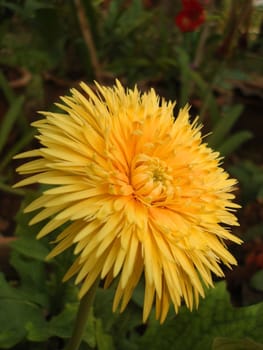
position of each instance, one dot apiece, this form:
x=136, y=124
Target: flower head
x=191, y=16
x=139, y=191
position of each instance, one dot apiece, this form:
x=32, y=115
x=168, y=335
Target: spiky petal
x=140, y=192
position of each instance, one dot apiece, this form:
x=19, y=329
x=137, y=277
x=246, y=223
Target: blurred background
x=208, y=53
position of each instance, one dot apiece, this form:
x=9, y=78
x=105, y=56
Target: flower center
x=151, y=180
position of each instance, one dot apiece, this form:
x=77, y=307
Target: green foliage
x=126, y=50
x=222, y=119
x=61, y=326
x=233, y=142
x=104, y=340
x=16, y=312
x=31, y=248
x=31, y=277
x=250, y=178
x=9, y=120
x=12, y=118
x=221, y=139
x=256, y=281
x=235, y=344
x=254, y=232
x=39, y=45
x=122, y=328
x=214, y=318
x=22, y=316
x=27, y=8
x=183, y=63
x=223, y=126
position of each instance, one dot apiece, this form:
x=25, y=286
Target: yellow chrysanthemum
x=140, y=192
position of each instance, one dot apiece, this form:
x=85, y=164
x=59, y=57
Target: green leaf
x=250, y=178
x=235, y=344
x=61, y=326
x=6, y=291
x=89, y=335
x=16, y=148
x=113, y=14
x=5, y=87
x=234, y=142
x=122, y=327
x=9, y=120
x=32, y=278
x=205, y=92
x=196, y=330
x=103, y=307
x=123, y=22
x=224, y=125
x=22, y=219
x=31, y=248
x=31, y=6
x=15, y=314
x=257, y=281
x=104, y=340
x=260, y=193
x=183, y=61
x=254, y=232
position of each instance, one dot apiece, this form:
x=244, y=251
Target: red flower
x=191, y=16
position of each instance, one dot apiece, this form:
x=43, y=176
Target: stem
x=87, y=36
x=9, y=189
x=81, y=318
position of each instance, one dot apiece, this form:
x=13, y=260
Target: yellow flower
x=140, y=192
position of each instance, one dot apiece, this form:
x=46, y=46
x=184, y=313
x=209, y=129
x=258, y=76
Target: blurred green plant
x=222, y=119
x=26, y=8
x=215, y=317
x=221, y=343
x=250, y=178
x=257, y=281
x=14, y=116
x=221, y=139
x=122, y=44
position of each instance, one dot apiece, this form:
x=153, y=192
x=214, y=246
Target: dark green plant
x=13, y=117
x=250, y=178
